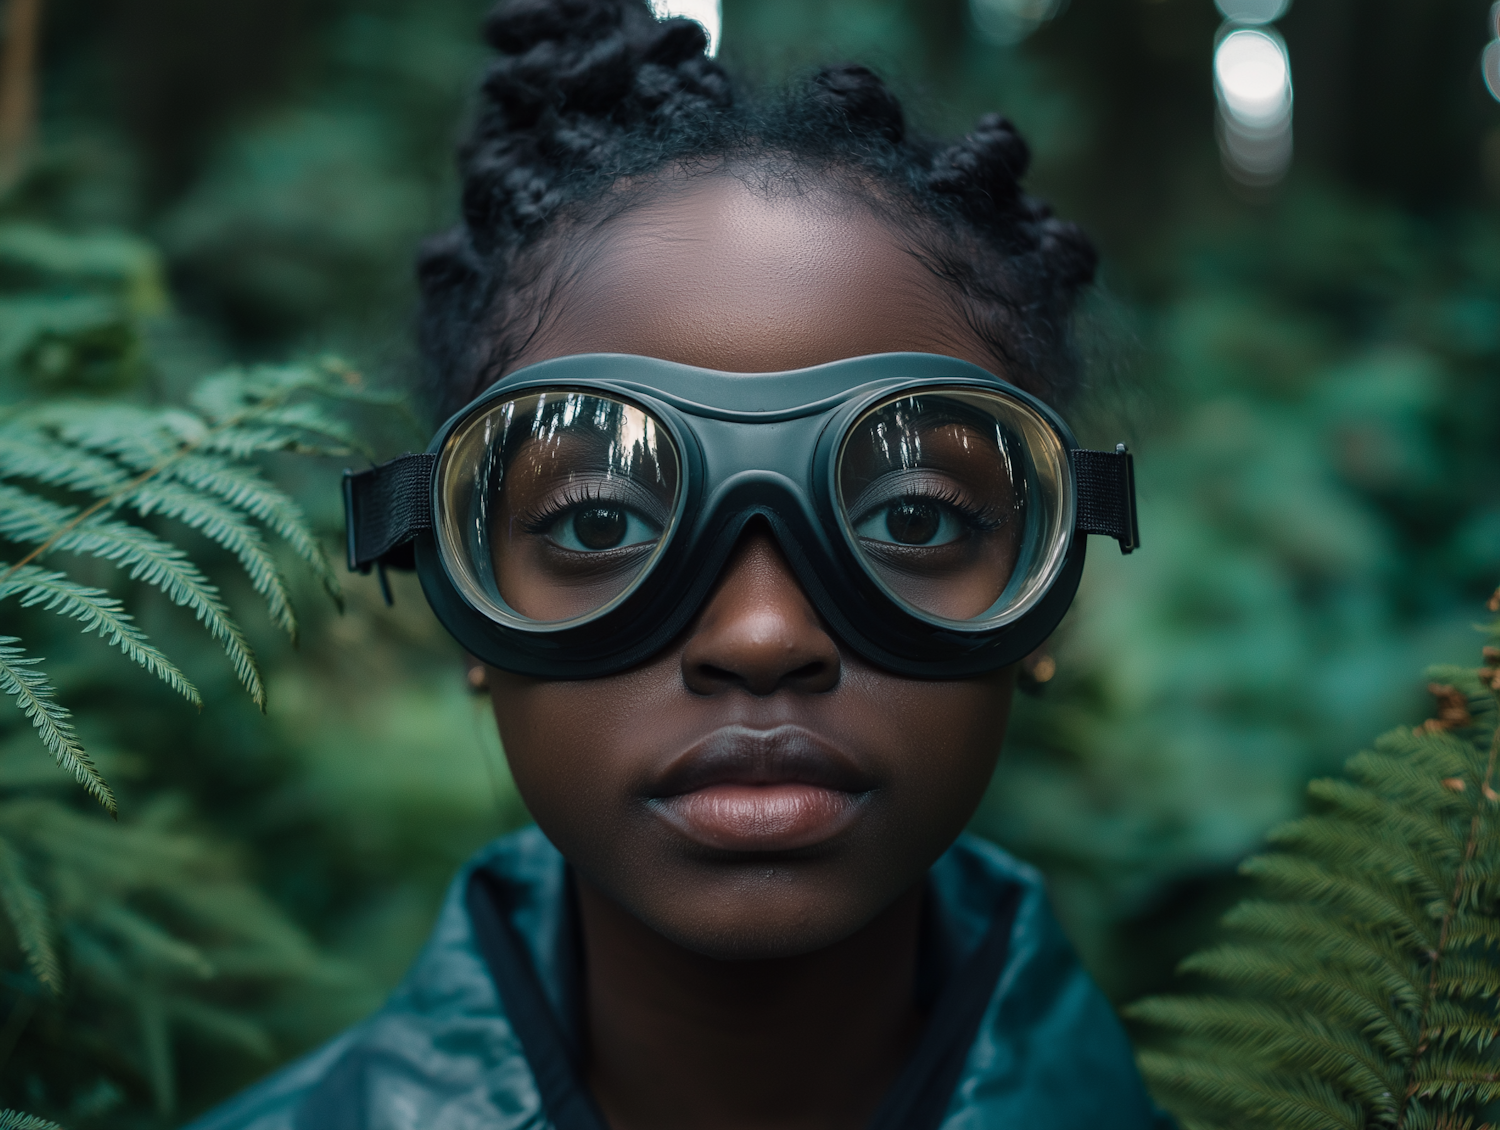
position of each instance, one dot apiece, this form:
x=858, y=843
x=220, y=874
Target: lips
x=746, y=790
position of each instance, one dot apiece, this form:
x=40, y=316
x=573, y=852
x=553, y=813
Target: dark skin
x=740, y=985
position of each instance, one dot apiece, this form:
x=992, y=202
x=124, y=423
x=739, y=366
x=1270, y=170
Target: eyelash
x=976, y=519
x=542, y=519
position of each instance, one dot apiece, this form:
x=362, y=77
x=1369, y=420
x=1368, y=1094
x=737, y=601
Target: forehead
x=713, y=273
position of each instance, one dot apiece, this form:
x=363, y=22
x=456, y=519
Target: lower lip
x=781, y=817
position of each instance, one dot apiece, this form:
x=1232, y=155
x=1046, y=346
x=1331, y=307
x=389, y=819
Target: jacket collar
x=443, y=1055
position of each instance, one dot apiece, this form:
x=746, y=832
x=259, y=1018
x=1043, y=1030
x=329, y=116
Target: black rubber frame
x=733, y=476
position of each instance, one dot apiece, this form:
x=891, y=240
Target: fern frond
x=1337, y=993
x=1319, y=934
x=229, y=394
x=1279, y=1035
x=1235, y=1096
x=1366, y=977
x=151, y=945
x=139, y=437
x=246, y=440
x=27, y=912
x=1453, y=1076
x=15, y=1120
x=98, y=612
x=224, y=526
x=223, y=1025
x=28, y=454
x=25, y=517
x=1365, y=897
x=307, y=420
x=246, y=489
x=34, y=695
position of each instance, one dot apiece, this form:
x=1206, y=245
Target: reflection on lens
x=946, y=502
x=557, y=502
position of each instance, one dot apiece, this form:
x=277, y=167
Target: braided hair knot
x=983, y=172
x=586, y=93
x=574, y=79
x=857, y=98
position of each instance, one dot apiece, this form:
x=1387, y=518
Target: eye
x=911, y=521
x=592, y=529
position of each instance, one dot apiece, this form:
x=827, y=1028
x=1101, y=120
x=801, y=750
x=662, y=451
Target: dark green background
x=1310, y=376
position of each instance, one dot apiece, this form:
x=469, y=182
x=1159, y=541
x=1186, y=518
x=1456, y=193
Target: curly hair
x=590, y=96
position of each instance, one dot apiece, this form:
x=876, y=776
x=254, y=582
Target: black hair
x=589, y=95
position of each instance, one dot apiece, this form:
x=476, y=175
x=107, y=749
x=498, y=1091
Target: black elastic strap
x=385, y=508
x=1106, y=495
x=566, y=1100
x=919, y=1098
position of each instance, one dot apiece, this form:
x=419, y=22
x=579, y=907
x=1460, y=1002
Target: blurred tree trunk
x=18, y=88
x=1390, y=97
x=185, y=69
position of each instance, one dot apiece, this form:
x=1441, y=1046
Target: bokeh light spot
x=1491, y=62
x=1253, y=80
x=1009, y=21
x=709, y=13
x=1253, y=77
x=1252, y=11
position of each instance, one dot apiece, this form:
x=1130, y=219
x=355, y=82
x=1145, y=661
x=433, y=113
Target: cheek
x=941, y=741
x=574, y=750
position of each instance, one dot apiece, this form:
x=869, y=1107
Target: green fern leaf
x=29, y=454
x=229, y=395
x=1363, y=987
x=222, y=1025
x=1236, y=1096
x=246, y=489
x=27, y=911
x=24, y=517
x=99, y=612
x=223, y=525
x=15, y=1120
x=1318, y=935
x=146, y=941
x=138, y=435
x=307, y=418
x=33, y=693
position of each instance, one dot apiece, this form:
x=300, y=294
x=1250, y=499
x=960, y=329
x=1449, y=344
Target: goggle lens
x=557, y=503
x=953, y=500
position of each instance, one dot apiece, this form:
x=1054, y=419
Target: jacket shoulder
x=1049, y=1050
x=441, y=1052
x=273, y=1102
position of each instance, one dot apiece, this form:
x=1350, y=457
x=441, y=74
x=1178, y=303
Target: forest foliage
x=132, y=922
x=1357, y=987
x=1309, y=377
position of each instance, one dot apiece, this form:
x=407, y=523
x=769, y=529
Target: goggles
x=571, y=521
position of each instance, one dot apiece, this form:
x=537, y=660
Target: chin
x=760, y=916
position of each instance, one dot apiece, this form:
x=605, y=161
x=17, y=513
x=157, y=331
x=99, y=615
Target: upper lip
x=740, y=755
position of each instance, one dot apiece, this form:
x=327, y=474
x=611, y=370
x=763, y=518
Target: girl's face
x=756, y=789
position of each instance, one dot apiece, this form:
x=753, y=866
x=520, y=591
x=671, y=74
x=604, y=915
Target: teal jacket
x=1039, y=1047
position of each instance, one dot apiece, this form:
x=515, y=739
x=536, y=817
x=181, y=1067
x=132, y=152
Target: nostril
x=808, y=672
x=758, y=632
x=717, y=676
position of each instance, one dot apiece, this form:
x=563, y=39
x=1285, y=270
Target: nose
x=758, y=632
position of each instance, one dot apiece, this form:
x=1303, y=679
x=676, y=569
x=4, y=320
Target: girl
x=748, y=536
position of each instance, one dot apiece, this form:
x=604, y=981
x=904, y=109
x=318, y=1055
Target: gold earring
x=477, y=677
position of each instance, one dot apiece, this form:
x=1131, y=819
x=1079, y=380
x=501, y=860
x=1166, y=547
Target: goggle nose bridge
x=789, y=514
